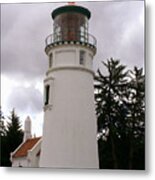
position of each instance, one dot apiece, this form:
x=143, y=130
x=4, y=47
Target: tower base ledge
x=70, y=68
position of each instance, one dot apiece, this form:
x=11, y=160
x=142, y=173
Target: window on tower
x=71, y=26
x=50, y=60
x=47, y=90
x=82, y=57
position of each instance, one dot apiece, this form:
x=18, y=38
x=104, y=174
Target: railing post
x=52, y=38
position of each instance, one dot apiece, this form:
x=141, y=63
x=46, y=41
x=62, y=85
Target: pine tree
x=14, y=137
x=136, y=119
x=2, y=126
x=2, y=138
x=120, y=109
x=109, y=91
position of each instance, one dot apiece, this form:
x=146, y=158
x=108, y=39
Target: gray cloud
x=26, y=100
x=117, y=27
x=24, y=27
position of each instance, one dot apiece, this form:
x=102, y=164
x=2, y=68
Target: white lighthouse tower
x=69, y=132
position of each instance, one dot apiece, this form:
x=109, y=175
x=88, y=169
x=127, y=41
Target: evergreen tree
x=13, y=138
x=136, y=118
x=2, y=126
x=2, y=138
x=120, y=115
x=108, y=101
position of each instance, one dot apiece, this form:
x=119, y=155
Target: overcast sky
x=117, y=25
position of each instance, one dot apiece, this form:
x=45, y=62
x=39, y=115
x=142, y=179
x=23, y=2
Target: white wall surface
x=32, y=154
x=69, y=134
x=22, y=161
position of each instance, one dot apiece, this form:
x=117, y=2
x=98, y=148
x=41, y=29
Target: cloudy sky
x=117, y=25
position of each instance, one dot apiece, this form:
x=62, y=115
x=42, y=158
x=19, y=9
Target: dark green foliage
x=2, y=136
x=120, y=110
x=2, y=126
x=11, y=139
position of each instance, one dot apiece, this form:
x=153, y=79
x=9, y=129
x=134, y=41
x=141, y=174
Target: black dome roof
x=71, y=8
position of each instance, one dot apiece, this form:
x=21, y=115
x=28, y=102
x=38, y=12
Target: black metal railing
x=70, y=37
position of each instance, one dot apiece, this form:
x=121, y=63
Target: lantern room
x=71, y=26
x=71, y=23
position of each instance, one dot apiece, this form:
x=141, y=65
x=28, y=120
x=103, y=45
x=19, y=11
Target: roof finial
x=71, y=3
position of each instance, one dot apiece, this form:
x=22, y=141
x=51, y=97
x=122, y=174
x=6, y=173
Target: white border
x=40, y=174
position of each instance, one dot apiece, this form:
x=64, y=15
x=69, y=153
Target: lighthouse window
x=82, y=57
x=50, y=60
x=71, y=26
x=47, y=89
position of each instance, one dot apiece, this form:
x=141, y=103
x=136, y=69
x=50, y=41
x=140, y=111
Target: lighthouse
x=69, y=131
